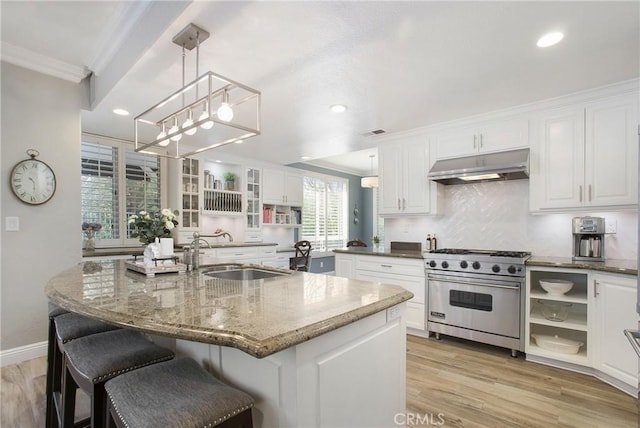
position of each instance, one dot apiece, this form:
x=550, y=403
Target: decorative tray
x=160, y=265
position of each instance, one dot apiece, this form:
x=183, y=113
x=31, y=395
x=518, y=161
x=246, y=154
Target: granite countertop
x=259, y=317
x=629, y=267
x=369, y=251
x=124, y=251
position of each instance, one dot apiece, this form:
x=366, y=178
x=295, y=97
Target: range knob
x=512, y=270
x=495, y=268
x=475, y=265
x=432, y=263
x=445, y=264
x=464, y=264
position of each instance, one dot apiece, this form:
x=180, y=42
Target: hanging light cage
x=208, y=112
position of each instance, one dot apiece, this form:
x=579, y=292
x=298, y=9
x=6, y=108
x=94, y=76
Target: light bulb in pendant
x=205, y=115
x=174, y=131
x=225, y=112
x=188, y=123
x=163, y=136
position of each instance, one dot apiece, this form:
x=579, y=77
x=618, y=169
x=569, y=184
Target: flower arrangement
x=376, y=239
x=91, y=227
x=152, y=224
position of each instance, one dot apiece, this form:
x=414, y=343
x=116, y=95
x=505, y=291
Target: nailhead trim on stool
x=177, y=394
x=92, y=360
x=63, y=327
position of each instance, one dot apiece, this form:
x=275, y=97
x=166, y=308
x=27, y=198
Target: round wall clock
x=32, y=180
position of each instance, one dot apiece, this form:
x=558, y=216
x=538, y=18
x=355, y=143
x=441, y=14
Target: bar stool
x=92, y=360
x=178, y=394
x=63, y=327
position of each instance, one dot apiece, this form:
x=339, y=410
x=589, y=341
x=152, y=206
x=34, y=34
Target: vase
x=166, y=247
x=90, y=243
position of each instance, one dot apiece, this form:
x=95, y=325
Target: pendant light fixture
x=228, y=110
x=371, y=180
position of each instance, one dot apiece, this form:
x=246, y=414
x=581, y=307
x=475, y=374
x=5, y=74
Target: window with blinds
x=111, y=193
x=324, y=212
x=99, y=164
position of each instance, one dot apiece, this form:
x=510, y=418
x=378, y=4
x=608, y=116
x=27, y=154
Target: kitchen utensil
x=554, y=311
x=557, y=344
x=556, y=287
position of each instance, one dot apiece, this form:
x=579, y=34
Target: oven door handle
x=479, y=284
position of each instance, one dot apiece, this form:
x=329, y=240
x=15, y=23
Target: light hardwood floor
x=450, y=383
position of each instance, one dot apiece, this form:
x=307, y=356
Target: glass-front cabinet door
x=190, y=192
x=254, y=210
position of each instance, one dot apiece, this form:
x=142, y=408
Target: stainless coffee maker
x=588, y=239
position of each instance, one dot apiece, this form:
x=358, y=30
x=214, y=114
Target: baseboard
x=23, y=353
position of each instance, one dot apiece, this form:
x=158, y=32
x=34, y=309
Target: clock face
x=33, y=181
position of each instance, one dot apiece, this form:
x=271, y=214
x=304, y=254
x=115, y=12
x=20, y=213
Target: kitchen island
x=313, y=350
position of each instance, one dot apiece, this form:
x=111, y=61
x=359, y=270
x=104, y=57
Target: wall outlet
x=610, y=226
x=393, y=313
x=321, y=264
x=12, y=224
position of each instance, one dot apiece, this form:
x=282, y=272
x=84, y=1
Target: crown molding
x=115, y=35
x=42, y=63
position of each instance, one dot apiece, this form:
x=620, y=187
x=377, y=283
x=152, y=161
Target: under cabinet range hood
x=509, y=165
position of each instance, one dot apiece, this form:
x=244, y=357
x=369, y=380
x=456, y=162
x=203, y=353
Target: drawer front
x=239, y=254
x=414, y=284
x=393, y=265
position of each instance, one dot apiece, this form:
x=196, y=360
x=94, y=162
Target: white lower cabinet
x=614, y=310
x=265, y=255
x=602, y=306
x=405, y=272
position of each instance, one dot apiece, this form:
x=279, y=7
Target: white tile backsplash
x=496, y=216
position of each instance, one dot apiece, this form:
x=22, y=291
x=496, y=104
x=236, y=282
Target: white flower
x=142, y=213
x=133, y=217
x=132, y=220
x=167, y=212
x=169, y=225
x=147, y=217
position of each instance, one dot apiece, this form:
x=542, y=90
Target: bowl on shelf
x=557, y=344
x=556, y=287
x=554, y=311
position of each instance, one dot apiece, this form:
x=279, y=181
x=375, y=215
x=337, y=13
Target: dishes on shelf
x=557, y=344
x=556, y=287
x=554, y=311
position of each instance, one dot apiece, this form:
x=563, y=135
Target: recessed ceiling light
x=239, y=141
x=305, y=157
x=338, y=108
x=550, y=39
x=121, y=112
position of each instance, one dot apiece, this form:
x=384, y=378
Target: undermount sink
x=241, y=273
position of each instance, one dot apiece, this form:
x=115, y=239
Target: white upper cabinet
x=282, y=188
x=492, y=136
x=586, y=156
x=402, y=168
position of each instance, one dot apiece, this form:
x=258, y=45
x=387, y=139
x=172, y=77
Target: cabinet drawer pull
x=404, y=204
x=589, y=192
x=475, y=137
x=480, y=140
x=386, y=266
x=595, y=288
x=398, y=204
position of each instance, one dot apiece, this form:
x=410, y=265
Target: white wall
x=495, y=216
x=41, y=113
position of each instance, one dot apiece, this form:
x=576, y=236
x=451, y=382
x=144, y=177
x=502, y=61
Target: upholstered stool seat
x=178, y=394
x=63, y=327
x=92, y=360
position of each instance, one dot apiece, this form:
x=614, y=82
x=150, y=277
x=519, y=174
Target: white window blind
x=324, y=212
x=100, y=188
x=111, y=193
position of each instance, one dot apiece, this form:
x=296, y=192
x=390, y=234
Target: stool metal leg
x=51, y=420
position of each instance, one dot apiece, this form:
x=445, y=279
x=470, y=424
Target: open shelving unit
x=575, y=327
x=281, y=215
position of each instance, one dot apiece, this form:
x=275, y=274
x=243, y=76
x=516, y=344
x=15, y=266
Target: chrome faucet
x=216, y=235
x=195, y=245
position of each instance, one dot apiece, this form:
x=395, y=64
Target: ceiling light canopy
x=120, y=112
x=338, y=108
x=550, y=39
x=228, y=110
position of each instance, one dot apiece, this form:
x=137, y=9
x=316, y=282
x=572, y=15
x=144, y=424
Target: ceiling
x=396, y=65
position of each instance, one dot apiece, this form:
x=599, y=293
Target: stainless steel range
x=477, y=295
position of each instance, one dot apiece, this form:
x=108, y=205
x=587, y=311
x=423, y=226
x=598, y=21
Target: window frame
x=345, y=209
x=123, y=146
